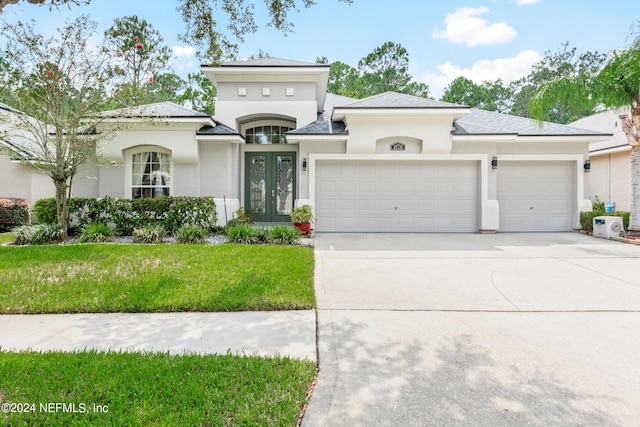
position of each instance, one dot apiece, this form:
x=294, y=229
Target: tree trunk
x=631, y=129
x=634, y=219
x=62, y=207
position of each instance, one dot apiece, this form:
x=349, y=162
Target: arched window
x=150, y=174
x=270, y=134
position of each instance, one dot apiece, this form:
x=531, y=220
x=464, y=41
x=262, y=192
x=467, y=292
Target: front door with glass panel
x=270, y=185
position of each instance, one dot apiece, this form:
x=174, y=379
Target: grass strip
x=151, y=389
x=102, y=278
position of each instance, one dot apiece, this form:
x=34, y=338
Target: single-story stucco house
x=387, y=163
x=610, y=177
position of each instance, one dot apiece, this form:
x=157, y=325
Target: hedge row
x=13, y=213
x=127, y=214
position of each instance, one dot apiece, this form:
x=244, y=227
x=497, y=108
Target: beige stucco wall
x=366, y=130
x=24, y=182
x=179, y=138
x=232, y=107
x=610, y=179
x=304, y=152
x=219, y=169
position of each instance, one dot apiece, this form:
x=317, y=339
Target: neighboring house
x=17, y=179
x=387, y=163
x=610, y=177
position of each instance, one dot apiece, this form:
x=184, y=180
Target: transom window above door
x=269, y=134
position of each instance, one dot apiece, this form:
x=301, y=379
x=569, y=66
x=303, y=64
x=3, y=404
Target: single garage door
x=536, y=196
x=396, y=196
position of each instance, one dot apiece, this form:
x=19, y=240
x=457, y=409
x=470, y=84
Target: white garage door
x=396, y=196
x=536, y=196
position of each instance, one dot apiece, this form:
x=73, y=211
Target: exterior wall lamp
x=494, y=162
x=587, y=166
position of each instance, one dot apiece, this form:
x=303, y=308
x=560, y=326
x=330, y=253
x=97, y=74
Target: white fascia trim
x=237, y=139
x=202, y=121
x=612, y=150
x=483, y=159
x=484, y=138
x=557, y=138
x=305, y=138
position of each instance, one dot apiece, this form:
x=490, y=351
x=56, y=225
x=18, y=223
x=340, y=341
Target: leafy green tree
x=200, y=94
x=616, y=85
x=385, y=69
x=59, y=88
x=139, y=57
x=490, y=96
x=564, y=63
x=345, y=80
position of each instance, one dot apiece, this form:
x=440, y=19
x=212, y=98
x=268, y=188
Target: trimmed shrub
x=283, y=234
x=13, y=212
x=128, y=214
x=150, y=233
x=190, y=234
x=242, y=233
x=45, y=211
x=38, y=234
x=95, y=232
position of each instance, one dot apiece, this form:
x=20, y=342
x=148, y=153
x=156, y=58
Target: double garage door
x=420, y=196
x=396, y=196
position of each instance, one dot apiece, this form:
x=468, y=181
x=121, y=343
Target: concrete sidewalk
x=286, y=333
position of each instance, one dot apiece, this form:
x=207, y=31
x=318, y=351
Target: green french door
x=270, y=185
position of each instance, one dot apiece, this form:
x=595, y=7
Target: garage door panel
x=407, y=196
x=536, y=196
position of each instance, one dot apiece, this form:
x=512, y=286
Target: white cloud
x=507, y=69
x=184, y=51
x=525, y=2
x=464, y=27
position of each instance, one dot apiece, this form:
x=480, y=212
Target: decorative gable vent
x=398, y=146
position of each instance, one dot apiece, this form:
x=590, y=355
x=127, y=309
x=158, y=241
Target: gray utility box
x=607, y=226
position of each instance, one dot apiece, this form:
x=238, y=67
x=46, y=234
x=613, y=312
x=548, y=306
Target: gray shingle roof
x=480, y=122
x=271, y=62
x=332, y=101
x=321, y=127
x=399, y=100
x=160, y=109
x=218, y=129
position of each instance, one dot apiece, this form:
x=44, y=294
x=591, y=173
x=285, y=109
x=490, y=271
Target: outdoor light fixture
x=304, y=164
x=494, y=163
x=587, y=166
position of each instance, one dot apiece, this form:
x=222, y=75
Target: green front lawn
x=154, y=278
x=133, y=389
x=6, y=238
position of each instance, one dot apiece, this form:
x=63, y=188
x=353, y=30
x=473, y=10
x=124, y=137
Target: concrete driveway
x=477, y=330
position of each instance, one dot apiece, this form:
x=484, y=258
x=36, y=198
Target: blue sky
x=482, y=40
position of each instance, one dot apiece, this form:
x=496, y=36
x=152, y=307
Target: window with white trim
x=267, y=134
x=150, y=174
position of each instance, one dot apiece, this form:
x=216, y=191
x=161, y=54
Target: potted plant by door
x=301, y=218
